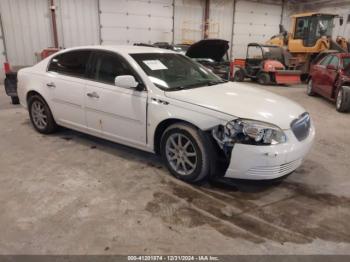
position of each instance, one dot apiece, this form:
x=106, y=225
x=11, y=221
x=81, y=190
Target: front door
x=330, y=77
x=116, y=112
x=319, y=71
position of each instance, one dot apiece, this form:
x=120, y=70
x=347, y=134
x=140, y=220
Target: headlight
x=252, y=132
x=255, y=132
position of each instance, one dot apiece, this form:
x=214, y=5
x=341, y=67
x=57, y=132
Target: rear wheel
x=239, y=75
x=343, y=100
x=309, y=88
x=40, y=115
x=263, y=78
x=186, y=152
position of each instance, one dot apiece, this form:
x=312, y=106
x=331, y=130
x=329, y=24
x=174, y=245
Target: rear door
x=66, y=78
x=116, y=112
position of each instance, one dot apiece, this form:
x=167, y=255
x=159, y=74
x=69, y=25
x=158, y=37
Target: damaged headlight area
x=245, y=131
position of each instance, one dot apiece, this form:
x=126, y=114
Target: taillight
x=7, y=68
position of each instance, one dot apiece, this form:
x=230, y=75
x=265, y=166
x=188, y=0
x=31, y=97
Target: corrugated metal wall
x=27, y=26
x=27, y=29
x=77, y=22
x=27, y=23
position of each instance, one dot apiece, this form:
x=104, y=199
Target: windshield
x=174, y=71
x=324, y=26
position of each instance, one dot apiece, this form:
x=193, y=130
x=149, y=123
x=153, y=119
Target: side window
x=108, y=67
x=301, y=27
x=71, y=63
x=326, y=60
x=335, y=61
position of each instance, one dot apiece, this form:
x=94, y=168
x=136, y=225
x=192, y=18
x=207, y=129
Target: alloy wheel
x=181, y=154
x=39, y=115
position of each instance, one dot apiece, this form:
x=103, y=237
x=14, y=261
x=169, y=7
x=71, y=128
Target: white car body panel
x=131, y=117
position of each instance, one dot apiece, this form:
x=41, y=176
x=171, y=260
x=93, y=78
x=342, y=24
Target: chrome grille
x=301, y=126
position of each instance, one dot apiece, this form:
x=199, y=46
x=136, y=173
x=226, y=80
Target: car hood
x=243, y=101
x=208, y=48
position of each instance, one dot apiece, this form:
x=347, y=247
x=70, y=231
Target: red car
x=330, y=78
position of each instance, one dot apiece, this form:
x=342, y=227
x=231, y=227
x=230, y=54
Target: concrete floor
x=70, y=193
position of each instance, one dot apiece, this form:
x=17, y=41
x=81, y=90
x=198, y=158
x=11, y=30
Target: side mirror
x=331, y=67
x=126, y=81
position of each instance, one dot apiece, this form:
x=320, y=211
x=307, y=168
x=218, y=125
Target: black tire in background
x=239, y=75
x=14, y=100
x=51, y=125
x=309, y=88
x=263, y=78
x=343, y=99
x=201, y=145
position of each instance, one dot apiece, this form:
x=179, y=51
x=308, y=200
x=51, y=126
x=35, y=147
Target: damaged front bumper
x=268, y=162
x=265, y=162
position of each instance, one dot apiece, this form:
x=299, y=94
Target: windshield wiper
x=199, y=84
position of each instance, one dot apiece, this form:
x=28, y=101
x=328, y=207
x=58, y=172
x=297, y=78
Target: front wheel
x=40, y=115
x=343, y=100
x=239, y=75
x=263, y=78
x=186, y=152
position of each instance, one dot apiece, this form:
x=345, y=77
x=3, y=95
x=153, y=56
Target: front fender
x=203, y=118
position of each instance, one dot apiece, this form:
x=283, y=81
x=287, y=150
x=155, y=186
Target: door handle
x=93, y=95
x=52, y=84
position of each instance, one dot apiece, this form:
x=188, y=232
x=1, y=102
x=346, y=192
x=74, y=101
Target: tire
x=263, y=78
x=40, y=115
x=239, y=75
x=309, y=88
x=14, y=100
x=342, y=103
x=177, y=158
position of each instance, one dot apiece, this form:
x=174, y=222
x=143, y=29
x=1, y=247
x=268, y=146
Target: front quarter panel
x=161, y=108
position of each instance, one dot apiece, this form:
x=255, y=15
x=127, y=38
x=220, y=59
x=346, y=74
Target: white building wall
x=77, y=22
x=27, y=29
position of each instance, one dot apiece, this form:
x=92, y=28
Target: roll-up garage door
x=254, y=22
x=134, y=21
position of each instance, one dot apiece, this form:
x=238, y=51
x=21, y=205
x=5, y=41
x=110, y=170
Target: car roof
x=122, y=49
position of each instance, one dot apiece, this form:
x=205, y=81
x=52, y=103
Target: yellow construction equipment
x=310, y=38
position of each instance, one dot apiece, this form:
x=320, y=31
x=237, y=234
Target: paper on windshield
x=154, y=64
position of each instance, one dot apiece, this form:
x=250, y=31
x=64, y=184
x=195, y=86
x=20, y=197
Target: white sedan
x=161, y=101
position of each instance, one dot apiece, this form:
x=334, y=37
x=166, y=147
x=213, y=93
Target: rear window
x=72, y=63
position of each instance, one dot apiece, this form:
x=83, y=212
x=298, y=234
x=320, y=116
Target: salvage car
x=330, y=78
x=213, y=54
x=163, y=102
